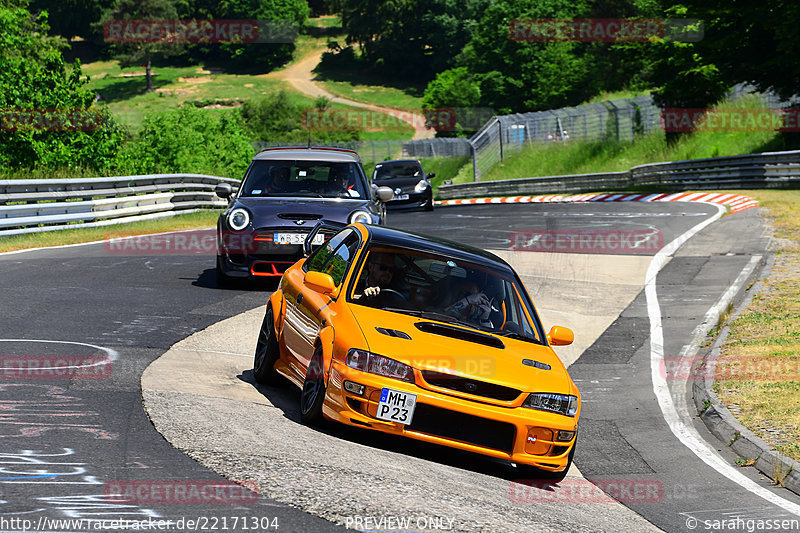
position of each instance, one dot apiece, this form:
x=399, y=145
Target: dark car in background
x=411, y=186
x=283, y=194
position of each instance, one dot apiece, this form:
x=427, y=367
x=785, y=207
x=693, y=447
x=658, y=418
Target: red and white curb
x=736, y=202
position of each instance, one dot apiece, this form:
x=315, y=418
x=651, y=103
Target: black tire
x=313, y=393
x=267, y=352
x=222, y=279
x=429, y=205
x=531, y=472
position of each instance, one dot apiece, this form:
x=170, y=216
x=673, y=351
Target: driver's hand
x=478, y=299
x=371, y=292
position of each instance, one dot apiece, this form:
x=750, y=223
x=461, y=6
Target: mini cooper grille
x=470, y=386
x=463, y=427
x=299, y=216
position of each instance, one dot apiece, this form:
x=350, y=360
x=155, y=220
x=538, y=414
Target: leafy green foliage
x=455, y=87
x=189, y=140
x=275, y=119
x=36, y=86
x=410, y=38
x=261, y=56
x=71, y=18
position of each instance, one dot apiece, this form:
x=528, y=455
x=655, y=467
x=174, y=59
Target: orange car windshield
x=448, y=290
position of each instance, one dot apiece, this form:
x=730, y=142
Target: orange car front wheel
x=313, y=393
x=267, y=352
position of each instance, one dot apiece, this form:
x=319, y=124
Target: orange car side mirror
x=320, y=282
x=560, y=336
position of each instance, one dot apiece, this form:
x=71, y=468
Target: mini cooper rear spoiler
x=326, y=224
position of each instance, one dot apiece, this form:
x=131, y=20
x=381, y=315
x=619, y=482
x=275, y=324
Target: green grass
x=201, y=219
x=175, y=86
x=371, y=90
x=579, y=157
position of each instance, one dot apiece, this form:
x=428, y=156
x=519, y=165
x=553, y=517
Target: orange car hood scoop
x=393, y=333
x=460, y=333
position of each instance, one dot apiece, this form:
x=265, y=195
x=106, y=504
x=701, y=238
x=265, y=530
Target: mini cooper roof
x=327, y=155
x=414, y=241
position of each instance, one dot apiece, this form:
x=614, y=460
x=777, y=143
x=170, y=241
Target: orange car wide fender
x=276, y=302
x=325, y=339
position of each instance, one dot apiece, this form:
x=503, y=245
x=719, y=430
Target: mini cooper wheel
x=267, y=352
x=313, y=393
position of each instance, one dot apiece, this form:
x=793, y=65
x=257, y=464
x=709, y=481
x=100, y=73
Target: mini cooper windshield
x=303, y=178
x=445, y=289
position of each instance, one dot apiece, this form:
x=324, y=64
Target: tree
x=49, y=118
x=137, y=49
x=71, y=18
x=415, y=38
x=262, y=56
x=519, y=75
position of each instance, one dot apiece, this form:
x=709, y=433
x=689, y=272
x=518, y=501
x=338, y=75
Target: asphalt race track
x=69, y=441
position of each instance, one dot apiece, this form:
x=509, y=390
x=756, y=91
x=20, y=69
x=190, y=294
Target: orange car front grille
x=463, y=427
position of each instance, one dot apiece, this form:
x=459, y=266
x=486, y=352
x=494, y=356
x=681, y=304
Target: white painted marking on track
x=113, y=355
x=684, y=432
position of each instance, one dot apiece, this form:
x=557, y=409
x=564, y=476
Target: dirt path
x=299, y=74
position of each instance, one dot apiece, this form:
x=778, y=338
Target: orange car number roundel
x=396, y=406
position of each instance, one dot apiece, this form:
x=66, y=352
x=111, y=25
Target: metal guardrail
x=754, y=171
x=28, y=206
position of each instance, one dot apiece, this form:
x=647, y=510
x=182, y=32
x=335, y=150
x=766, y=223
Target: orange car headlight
x=556, y=403
x=380, y=365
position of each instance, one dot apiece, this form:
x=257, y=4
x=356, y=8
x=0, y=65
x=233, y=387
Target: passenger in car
x=471, y=305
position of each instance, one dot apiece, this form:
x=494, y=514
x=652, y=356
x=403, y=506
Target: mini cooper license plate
x=396, y=406
x=401, y=197
x=296, y=238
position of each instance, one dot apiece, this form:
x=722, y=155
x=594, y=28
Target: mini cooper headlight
x=555, y=403
x=361, y=216
x=378, y=364
x=238, y=219
x=421, y=186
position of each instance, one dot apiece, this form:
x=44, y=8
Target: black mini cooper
x=283, y=194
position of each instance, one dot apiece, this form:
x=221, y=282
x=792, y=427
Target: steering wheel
x=392, y=291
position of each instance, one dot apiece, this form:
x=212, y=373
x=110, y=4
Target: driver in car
x=280, y=180
x=380, y=268
x=339, y=183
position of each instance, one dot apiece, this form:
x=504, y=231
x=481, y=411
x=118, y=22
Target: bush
x=49, y=117
x=189, y=140
x=275, y=119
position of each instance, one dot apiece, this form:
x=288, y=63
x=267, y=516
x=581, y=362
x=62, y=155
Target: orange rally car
x=424, y=338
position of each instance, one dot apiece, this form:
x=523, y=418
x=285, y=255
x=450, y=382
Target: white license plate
x=396, y=406
x=400, y=197
x=296, y=238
